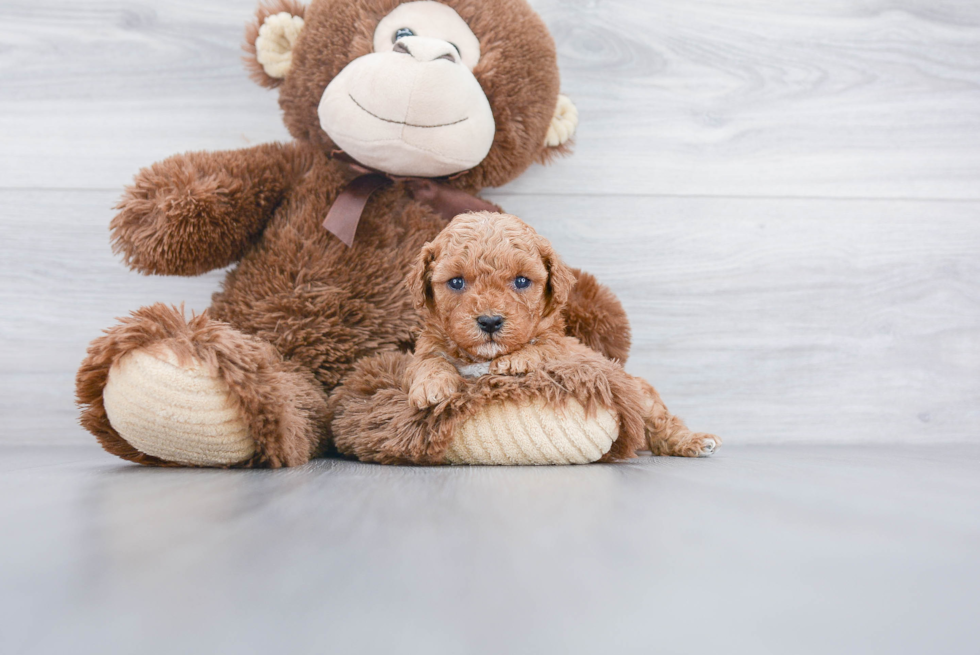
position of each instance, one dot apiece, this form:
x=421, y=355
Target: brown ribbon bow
x=346, y=211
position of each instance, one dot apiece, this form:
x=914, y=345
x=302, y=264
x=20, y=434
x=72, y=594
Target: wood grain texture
x=760, y=319
x=61, y=287
x=785, y=197
x=792, y=320
x=844, y=98
x=758, y=550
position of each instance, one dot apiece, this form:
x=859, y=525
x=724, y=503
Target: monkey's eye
x=401, y=33
x=521, y=282
x=456, y=284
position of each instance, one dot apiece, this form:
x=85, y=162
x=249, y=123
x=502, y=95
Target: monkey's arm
x=195, y=212
x=595, y=317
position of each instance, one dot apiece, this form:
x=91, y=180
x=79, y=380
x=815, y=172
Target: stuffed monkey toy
x=401, y=112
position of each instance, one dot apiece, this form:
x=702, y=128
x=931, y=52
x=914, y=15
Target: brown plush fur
x=375, y=422
x=408, y=409
x=595, y=317
x=518, y=71
x=300, y=301
x=196, y=212
x=282, y=402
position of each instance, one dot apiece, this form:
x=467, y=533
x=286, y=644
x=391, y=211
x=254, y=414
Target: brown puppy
x=492, y=291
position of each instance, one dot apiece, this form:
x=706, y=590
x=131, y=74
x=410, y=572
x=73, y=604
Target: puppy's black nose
x=490, y=324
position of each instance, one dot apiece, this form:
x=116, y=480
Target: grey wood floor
x=786, y=196
x=761, y=549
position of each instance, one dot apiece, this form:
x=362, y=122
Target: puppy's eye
x=401, y=33
x=521, y=282
x=456, y=284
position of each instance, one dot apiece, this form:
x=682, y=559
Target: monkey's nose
x=490, y=324
x=425, y=49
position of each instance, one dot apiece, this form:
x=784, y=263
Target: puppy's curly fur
x=409, y=409
x=495, y=269
x=510, y=278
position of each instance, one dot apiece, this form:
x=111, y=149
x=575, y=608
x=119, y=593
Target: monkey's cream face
x=413, y=106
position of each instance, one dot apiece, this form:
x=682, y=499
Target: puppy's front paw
x=433, y=390
x=516, y=364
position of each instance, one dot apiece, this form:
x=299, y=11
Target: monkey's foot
x=180, y=413
x=162, y=390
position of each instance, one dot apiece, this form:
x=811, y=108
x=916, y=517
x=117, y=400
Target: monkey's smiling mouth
x=406, y=124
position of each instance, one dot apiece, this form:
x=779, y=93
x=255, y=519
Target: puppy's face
x=490, y=285
x=488, y=304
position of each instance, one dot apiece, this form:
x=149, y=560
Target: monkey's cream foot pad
x=513, y=433
x=181, y=413
x=561, y=414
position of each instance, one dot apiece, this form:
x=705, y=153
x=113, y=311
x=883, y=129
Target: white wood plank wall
x=785, y=195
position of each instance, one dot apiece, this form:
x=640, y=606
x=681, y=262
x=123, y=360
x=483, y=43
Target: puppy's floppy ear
x=561, y=280
x=420, y=279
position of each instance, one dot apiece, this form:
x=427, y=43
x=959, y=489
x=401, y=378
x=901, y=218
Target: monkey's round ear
x=270, y=39
x=563, y=123
x=420, y=279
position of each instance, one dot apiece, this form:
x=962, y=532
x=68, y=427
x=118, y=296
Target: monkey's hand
x=196, y=212
x=596, y=318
